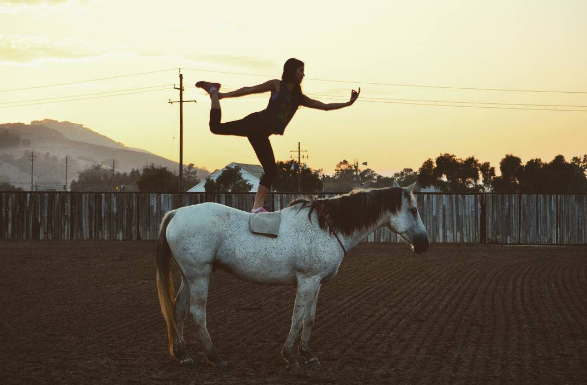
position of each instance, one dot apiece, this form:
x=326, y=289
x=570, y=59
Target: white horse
x=313, y=239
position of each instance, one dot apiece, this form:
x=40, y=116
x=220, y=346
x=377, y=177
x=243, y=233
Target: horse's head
x=406, y=222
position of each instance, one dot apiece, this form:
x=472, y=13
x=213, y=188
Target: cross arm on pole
x=181, y=101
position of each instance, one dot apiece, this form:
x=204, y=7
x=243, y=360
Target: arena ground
x=88, y=313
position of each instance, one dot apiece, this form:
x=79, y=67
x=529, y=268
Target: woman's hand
x=355, y=95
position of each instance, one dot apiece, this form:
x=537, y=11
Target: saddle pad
x=265, y=223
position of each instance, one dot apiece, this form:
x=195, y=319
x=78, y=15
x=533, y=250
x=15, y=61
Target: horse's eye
x=414, y=211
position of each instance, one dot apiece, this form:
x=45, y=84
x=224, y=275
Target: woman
x=286, y=98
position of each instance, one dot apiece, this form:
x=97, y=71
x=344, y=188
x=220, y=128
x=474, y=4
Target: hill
x=52, y=141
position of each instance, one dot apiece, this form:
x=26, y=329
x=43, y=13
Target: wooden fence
x=449, y=218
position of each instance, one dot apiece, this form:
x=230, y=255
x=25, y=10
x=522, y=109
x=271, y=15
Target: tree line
x=152, y=178
x=445, y=173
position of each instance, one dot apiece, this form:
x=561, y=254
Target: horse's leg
x=181, y=308
x=304, y=348
x=307, y=288
x=198, y=299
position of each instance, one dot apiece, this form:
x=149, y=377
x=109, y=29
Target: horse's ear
x=413, y=188
x=395, y=184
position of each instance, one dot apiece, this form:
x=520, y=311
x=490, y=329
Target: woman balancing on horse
x=286, y=98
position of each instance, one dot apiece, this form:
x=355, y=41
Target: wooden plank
x=37, y=217
x=74, y=220
x=489, y=218
x=3, y=212
x=105, y=217
x=59, y=214
x=458, y=219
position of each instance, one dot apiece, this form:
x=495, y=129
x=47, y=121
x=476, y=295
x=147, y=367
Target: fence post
x=483, y=224
x=138, y=217
x=519, y=218
x=557, y=220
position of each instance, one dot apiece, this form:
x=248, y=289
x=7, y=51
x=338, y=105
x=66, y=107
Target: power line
x=452, y=87
x=90, y=94
x=463, y=106
x=399, y=84
x=459, y=102
x=95, y=97
x=86, y=81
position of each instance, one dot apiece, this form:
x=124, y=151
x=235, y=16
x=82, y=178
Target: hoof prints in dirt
x=80, y=312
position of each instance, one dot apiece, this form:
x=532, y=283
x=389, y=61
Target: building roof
x=250, y=172
x=253, y=169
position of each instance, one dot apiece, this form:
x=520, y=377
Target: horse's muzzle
x=421, y=244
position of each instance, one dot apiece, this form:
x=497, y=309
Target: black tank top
x=281, y=108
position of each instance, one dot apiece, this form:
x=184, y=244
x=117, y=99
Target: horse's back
x=210, y=233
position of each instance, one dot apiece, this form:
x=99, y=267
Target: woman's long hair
x=289, y=75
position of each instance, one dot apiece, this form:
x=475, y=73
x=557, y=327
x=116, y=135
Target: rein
x=317, y=207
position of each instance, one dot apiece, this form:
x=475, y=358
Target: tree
x=531, y=176
x=581, y=162
x=451, y=174
x=509, y=181
x=287, y=178
x=405, y=177
x=95, y=179
x=158, y=179
x=230, y=180
x=383, y=181
x=488, y=174
x=562, y=177
x=100, y=179
x=9, y=139
x=537, y=177
x=343, y=179
x=190, y=177
x=426, y=175
x=344, y=173
x=4, y=186
x=367, y=177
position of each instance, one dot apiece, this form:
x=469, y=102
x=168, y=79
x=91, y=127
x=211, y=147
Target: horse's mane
x=356, y=210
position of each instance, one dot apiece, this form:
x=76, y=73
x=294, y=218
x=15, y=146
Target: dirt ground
x=88, y=313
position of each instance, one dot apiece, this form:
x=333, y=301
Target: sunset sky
x=385, y=47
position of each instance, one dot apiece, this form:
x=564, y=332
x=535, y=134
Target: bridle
x=317, y=207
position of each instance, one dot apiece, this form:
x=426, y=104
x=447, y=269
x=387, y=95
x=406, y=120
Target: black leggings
x=255, y=130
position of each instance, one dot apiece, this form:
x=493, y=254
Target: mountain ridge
x=53, y=141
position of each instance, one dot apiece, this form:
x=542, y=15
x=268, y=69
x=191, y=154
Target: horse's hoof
x=220, y=364
x=313, y=362
x=186, y=361
x=293, y=367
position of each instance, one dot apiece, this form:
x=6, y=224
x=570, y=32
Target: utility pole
x=66, y=165
x=181, y=102
x=66, y=159
x=300, y=157
x=32, y=156
x=113, y=163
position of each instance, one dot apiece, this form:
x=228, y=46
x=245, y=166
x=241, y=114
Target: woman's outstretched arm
x=270, y=85
x=311, y=103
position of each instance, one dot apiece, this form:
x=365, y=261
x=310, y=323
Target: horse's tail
x=165, y=280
